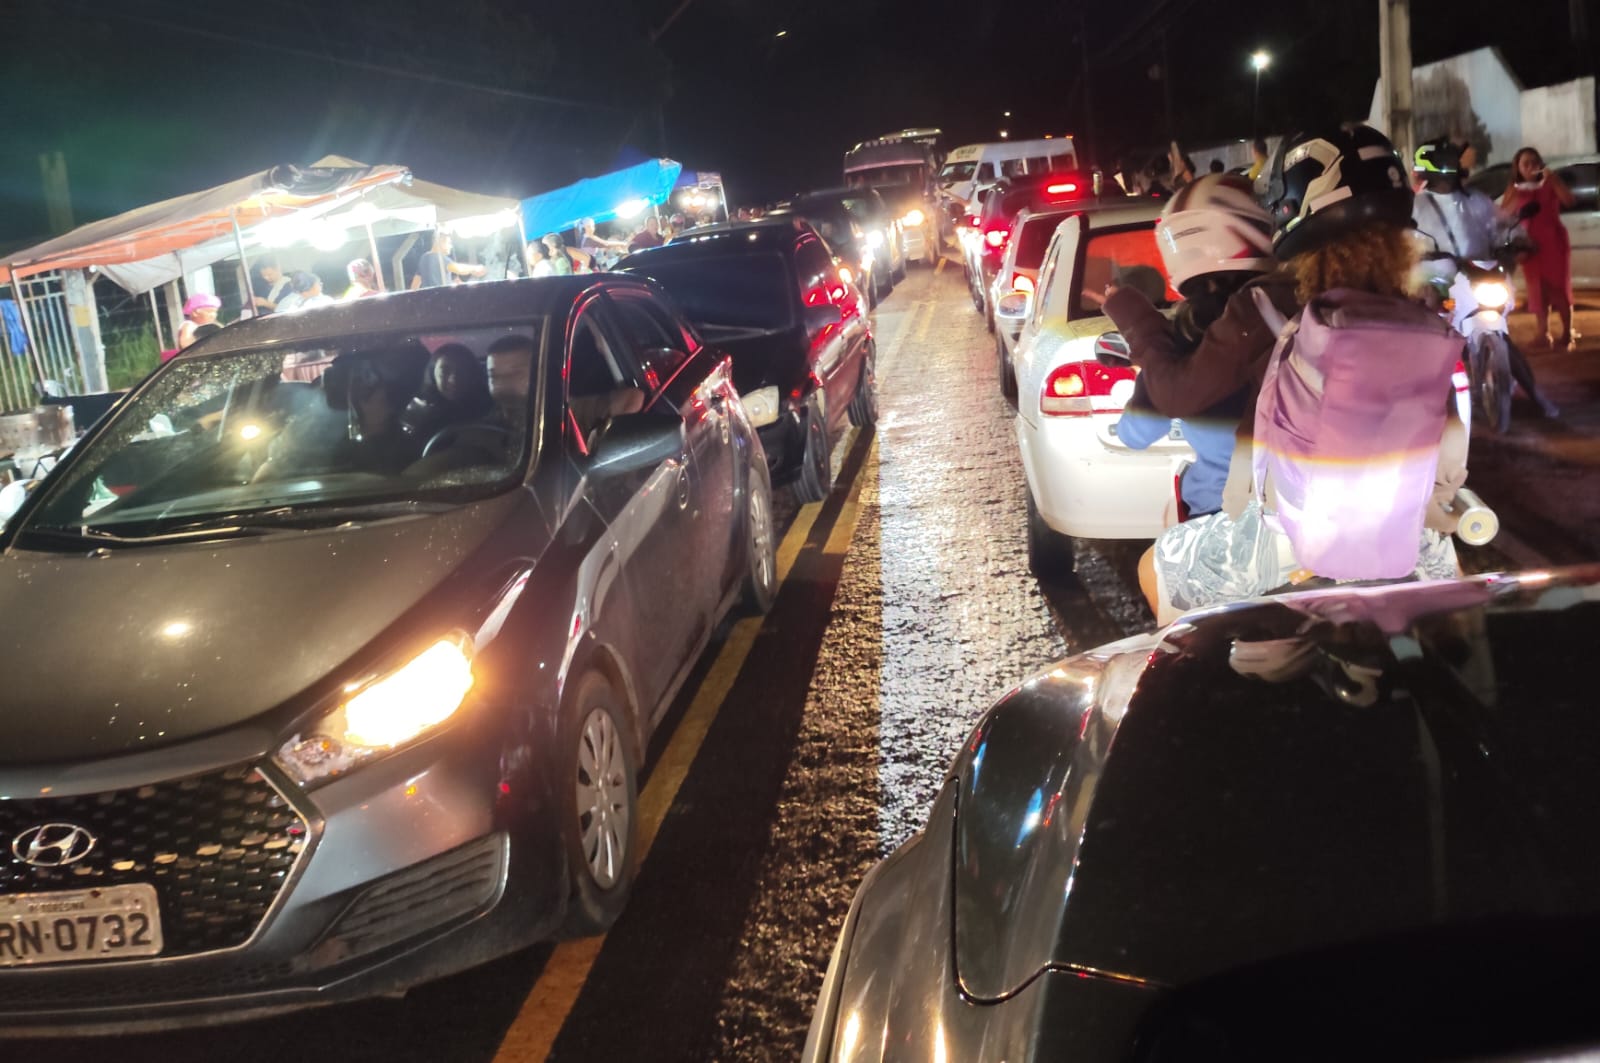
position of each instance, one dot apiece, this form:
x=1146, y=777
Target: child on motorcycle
x=1356, y=450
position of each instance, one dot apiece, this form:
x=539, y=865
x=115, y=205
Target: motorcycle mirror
x=1111, y=348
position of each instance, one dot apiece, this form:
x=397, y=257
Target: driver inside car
x=370, y=388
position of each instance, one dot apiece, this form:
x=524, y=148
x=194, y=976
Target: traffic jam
x=1009, y=598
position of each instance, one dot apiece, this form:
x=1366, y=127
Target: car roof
x=450, y=307
x=767, y=234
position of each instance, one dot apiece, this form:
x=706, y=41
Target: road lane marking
x=544, y=1012
x=940, y=267
x=844, y=526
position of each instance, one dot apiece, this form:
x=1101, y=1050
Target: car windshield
x=1126, y=257
x=957, y=171
x=304, y=433
x=725, y=291
x=909, y=174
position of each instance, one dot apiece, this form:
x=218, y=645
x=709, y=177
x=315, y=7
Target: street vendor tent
x=151, y=245
x=621, y=194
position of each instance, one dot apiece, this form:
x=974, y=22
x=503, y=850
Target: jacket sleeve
x=1183, y=385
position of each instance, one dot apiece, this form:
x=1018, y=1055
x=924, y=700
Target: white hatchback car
x=1083, y=482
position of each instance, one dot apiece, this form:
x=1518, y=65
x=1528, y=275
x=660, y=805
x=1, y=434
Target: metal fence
x=50, y=352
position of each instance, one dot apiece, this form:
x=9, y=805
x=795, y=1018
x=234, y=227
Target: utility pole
x=1394, y=66
x=57, y=196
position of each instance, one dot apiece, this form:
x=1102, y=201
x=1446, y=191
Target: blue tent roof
x=598, y=197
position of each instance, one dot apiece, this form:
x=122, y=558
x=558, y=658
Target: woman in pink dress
x=1547, y=270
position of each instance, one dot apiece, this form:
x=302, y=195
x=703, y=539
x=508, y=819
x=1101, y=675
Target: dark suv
x=770, y=295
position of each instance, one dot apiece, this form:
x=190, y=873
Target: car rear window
x=1035, y=239
x=1127, y=257
x=732, y=291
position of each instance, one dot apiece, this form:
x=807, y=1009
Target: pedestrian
x=198, y=310
x=438, y=269
x=363, y=279
x=1547, y=267
x=1344, y=482
x=273, y=285
x=598, y=248
x=1181, y=167
x=539, y=264
x=563, y=262
x=307, y=294
x=649, y=236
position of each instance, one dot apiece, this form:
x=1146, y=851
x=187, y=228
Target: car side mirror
x=1111, y=348
x=1014, y=305
x=817, y=318
x=633, y=441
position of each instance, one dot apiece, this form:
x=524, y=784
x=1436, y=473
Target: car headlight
x=916, y=217
x=875, y=239
x=383, y=712
x=761, y=406
x=1491, y=294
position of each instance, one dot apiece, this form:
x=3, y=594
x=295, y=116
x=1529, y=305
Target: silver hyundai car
x=331, y=655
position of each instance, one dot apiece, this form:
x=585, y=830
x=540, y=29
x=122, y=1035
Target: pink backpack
x=1347, y=431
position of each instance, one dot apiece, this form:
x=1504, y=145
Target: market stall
x=624, y=194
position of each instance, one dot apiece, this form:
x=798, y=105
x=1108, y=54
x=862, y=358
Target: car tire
x=1049, y=552
x=972, y=289
x=864, y=405
x=599, y=797
x=816, y=461
x=1008, y=378
x=760, y=587
x=899, y=274
x=988, y=314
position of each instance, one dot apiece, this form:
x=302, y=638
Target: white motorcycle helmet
x=1214, y=225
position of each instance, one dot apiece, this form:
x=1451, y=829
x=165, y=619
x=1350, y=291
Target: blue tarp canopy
x=635, y=188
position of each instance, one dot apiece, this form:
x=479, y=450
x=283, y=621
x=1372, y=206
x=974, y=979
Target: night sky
x=155, y=98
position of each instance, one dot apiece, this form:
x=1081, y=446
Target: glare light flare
x=1259, y=61
x=1491, y=294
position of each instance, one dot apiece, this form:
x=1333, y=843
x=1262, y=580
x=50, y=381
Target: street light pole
x=1259, y=61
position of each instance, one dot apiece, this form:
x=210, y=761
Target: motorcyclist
x=1214, y=239
x=1462, y=222
x=1341, y=210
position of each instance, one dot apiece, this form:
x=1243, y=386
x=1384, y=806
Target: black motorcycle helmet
x=1437, y=158
x=1326, y=183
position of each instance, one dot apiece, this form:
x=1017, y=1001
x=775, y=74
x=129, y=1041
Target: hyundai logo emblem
x=53, y=844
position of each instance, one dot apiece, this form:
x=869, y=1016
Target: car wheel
x=760, y=544
x=988, y=315
x=600, y=790
x=972, y=289
x=864, y=406
x=1008, y=379
x=816, y=463
x=899, y=272
x=1049, y=552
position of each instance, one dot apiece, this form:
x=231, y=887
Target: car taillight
x=1062, y=189
x=1078, y=388
x=996, y=238
x=974, y=222
x=1021, y=282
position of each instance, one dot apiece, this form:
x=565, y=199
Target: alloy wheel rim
x=603, y=812
x=761, y=540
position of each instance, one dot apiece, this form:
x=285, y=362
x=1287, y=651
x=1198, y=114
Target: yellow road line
x=844, y=528
x=533, y=1032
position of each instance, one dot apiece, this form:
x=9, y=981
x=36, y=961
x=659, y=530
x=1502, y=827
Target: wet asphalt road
x=906, y=610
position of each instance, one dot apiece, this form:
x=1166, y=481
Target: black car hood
x=151, y=646
x=764, y=359
x=1284, y=778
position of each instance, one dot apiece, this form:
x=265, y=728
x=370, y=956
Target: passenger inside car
x=596, y=388
x=455, y=390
